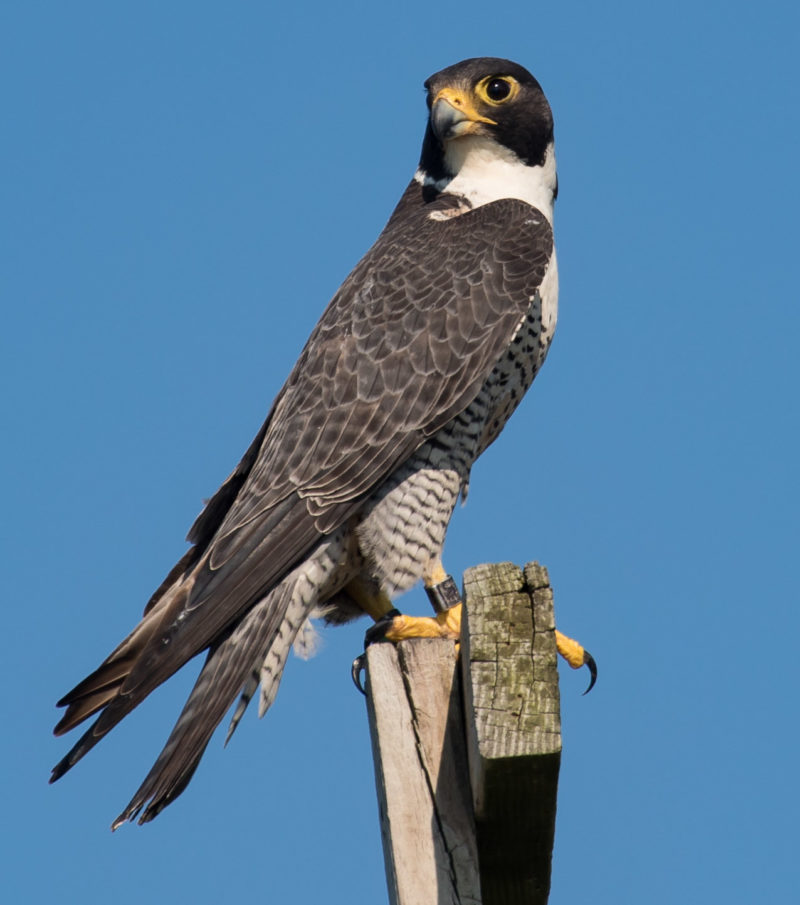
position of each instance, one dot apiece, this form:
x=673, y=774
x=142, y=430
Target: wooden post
x=466, y=760
x=417, y=728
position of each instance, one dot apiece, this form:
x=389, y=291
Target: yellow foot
x=445, y=625
x=576, y=655
x=394, y=626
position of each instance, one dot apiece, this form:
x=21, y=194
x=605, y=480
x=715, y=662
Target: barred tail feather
x=268, y=626
x=268, y=669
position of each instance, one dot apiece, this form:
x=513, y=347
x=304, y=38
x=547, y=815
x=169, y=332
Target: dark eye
x=498, y=89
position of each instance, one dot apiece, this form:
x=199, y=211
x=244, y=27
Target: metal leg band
x=443, y=596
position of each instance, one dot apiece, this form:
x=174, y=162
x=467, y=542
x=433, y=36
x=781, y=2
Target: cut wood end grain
x=467, y=758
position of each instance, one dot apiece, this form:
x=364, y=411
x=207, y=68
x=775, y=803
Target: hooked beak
x=454, y=115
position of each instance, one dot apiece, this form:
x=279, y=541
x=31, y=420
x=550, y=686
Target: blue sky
x=185, y=186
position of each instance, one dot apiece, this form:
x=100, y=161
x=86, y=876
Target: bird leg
x=372, y=599
x=446, y=601
x=392, y=625
x=576, y=656
x=402, y=627
x=440, y=587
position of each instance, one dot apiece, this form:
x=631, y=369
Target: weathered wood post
x=467, y=749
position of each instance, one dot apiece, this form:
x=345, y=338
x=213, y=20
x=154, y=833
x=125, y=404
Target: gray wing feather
x=445, y=299
x=403, y=347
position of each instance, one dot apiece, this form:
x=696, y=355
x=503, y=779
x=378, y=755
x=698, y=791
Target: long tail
x=100, y=691
x=265, y=634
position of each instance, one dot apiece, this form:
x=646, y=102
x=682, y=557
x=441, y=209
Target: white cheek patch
x=486, y=171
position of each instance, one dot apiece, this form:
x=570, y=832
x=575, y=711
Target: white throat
x=486, y=171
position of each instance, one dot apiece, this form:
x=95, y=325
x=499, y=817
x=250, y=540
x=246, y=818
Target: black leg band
x=443, y=596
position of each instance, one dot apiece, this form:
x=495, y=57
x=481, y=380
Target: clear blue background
x=184, y=185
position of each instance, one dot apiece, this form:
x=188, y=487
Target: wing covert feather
x=433, y=302
x=443, y=299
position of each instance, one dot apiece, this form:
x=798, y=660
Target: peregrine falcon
x=343, y=499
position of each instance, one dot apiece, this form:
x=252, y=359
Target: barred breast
x=405, y=522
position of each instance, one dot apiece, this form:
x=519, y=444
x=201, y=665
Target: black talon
x=377, y=633
x=588, y=660
x=359, y=665
x=373, y=635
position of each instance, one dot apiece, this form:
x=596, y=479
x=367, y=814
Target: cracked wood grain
x=417, y=730
x=513, y=727
x=466, y=759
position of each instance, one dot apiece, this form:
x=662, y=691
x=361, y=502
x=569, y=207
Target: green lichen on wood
x=513, y=725
x=511, y=655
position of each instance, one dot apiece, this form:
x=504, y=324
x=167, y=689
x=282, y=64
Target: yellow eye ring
x=497, y=89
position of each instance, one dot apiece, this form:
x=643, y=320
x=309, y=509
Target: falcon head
x=486, y=115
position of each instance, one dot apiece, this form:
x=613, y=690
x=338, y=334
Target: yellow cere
x=462, y=102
